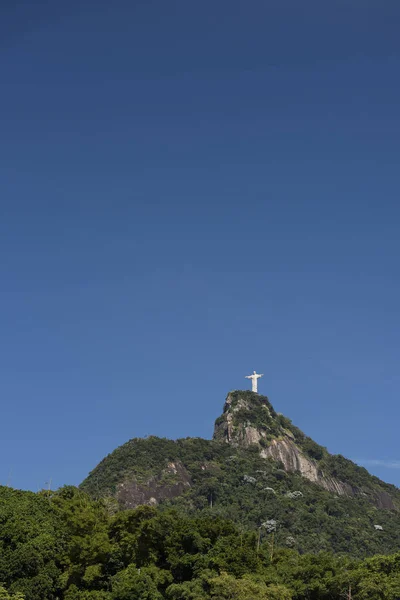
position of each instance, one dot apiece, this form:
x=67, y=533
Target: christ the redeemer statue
x=254, y=378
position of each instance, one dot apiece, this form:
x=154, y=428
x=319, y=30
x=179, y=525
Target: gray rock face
x=250, y=420
x=284, y=450
x=171, y=482
x=225, y=429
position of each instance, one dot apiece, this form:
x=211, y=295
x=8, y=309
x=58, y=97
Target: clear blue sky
x=190, y=191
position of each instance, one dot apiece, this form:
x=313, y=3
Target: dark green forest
x=66, y=545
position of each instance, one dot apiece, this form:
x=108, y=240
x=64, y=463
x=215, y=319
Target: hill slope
x=262, y=472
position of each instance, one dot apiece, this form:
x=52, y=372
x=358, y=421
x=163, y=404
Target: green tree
x=227, y=587
x=4, y=595
x=146, y=583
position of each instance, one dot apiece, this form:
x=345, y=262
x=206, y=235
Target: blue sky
x=190, y=191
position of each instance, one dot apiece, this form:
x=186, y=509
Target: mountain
x=235, y=517
x=250, y=420
x=262, y=472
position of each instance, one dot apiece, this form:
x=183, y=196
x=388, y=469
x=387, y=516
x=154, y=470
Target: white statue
x=254, y=378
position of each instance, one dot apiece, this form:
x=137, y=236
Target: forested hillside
x=251, y=473
x=65, y=545
x=261, y=512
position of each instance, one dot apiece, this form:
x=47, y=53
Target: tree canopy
x=65, y=545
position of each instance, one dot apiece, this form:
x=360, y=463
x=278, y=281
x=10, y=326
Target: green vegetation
x=63, y=545
x=232, y=481
x=237, y=484
x=228, y=525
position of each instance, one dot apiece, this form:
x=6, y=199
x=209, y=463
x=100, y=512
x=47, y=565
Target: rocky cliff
x=249, y=420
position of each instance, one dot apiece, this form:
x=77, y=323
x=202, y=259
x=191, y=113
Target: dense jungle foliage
x=237, y=484
x=65, y=545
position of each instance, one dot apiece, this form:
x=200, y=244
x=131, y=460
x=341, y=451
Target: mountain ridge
x=258, y=468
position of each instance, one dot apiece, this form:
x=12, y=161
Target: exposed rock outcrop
x=249, y=419
x=171, y=482
x=293, y=459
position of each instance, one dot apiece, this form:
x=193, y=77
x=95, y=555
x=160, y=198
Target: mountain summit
x=260, y=471
x=249, y=420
